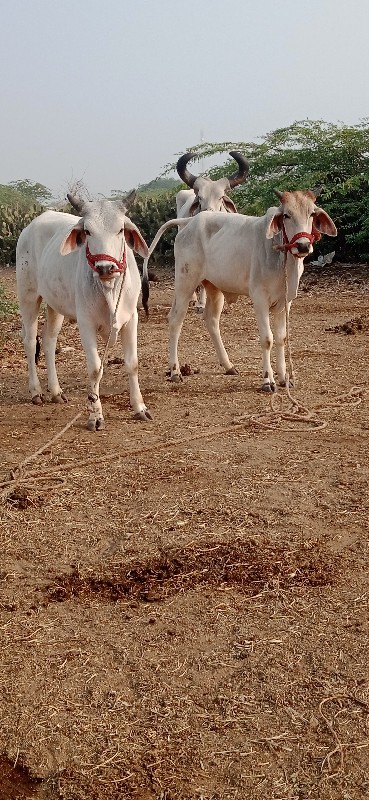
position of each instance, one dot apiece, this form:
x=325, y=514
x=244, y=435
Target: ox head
x=210, y=195
x=106, y=231
x=300, y=221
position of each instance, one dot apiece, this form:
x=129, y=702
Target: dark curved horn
x=75, y=202
x=182, y=170
x=130, y=198
x=241, y=175
x=278, y=193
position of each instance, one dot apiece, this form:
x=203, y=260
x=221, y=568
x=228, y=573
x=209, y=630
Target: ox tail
x=38, y=349
x=180, y=223
x=145, y=291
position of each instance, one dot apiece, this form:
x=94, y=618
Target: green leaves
x=34, y=192
x=20, y=202
x=13, y=218
x=305, y=155
x=149, y=212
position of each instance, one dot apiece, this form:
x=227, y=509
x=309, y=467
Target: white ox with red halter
x=235, y=255
x=206, y=194
x=83, y=268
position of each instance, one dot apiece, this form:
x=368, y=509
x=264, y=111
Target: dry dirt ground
x=184, y=604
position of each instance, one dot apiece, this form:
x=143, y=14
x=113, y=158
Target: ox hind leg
x=176, y=317
x=213, y=309
x=49, y=339
x=29, y=308
x=129, y=343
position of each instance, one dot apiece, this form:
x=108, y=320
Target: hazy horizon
x=109, y=94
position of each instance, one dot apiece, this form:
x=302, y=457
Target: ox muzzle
x=105, y=266
x=301, y=244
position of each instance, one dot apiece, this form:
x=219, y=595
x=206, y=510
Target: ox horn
x=76, y=202
x=182, y=170
x=125, y=202
x=278, y=193
x=241, y=175
x=317, y=191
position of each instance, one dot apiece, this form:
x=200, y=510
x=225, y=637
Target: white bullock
x=206, y=194
x=84, y=269
x=241, y=255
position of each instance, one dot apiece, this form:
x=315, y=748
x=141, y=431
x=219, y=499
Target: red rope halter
x=312, y=237
x=120, y=265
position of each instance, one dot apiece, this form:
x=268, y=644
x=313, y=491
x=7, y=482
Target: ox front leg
x=213, y=309
x=279, y=324
x=129, y=343
x=95, y=420
x=261, y=306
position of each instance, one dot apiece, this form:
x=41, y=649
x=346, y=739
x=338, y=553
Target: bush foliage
x=13, y=218
x=305, y=155
x=149, y=212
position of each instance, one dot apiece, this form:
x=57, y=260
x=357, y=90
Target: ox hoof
x=176, y=378
x=231, y=371
x=283, y=384
x=200, y=309
x=59, y=398
x=95, y=424
x=268, y=387
x=38, y=400
x=143, y=416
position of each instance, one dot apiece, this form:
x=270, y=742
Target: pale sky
x=110, y=91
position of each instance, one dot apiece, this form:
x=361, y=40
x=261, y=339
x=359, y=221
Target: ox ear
x=324, y=223
x=134, y=239
x=194, y=208
x=229, y=205
x=274, y=222
x=75, y=238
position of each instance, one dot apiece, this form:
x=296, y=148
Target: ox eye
x=286, y=216
x=87, y=232
x=121, y=231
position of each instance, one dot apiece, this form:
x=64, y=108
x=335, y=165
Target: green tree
x=13, y=218
x=34, y=192
x=306, y=155
x=156, y=186
x=20, y=202
x=149, y=212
